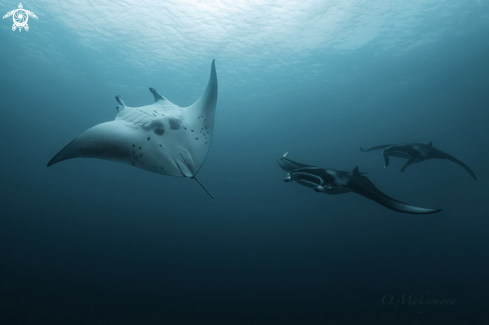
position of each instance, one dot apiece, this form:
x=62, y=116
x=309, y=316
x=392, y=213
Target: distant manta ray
x=416, y=152
x=161, y=138
x=332, y=181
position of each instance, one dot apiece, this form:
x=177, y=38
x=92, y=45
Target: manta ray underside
x=161, y=138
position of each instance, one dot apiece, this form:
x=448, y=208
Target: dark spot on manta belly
x=196, y=138
x=174, y=123
x=157, y=127
x=139, y=148
x=148, y=138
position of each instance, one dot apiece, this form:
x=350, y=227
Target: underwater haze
x=90, y=241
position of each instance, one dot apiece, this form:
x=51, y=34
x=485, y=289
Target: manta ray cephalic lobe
x=161, y=138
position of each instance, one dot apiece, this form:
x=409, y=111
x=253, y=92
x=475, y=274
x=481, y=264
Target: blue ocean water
x=89, y=241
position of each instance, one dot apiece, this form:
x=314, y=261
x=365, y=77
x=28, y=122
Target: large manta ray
x=416, y=152
x=331, y=181
x=161, y=138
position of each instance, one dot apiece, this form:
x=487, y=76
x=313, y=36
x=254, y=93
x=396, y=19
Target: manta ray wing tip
x=430, y=211
x=418, y=210
x=53, y=161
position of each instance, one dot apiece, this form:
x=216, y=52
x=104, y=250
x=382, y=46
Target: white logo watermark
x=20, y=17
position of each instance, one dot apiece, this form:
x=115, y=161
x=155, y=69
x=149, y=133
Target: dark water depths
x=88, y=241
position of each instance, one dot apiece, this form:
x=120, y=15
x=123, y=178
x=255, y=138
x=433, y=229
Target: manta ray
x=416, y=152
x=332, y=181
x=161, y=137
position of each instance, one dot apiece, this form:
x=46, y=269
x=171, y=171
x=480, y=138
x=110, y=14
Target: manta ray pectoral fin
x=199, y=117
x=403, y=207
x=363, y=186
x=68, y=152
x=109, y=141
x=407, y=164
x=206, y=104
x=458, y=162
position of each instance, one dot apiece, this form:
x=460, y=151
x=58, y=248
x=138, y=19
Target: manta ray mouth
x=306, y=178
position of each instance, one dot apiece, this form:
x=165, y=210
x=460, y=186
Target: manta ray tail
x=195, y=177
